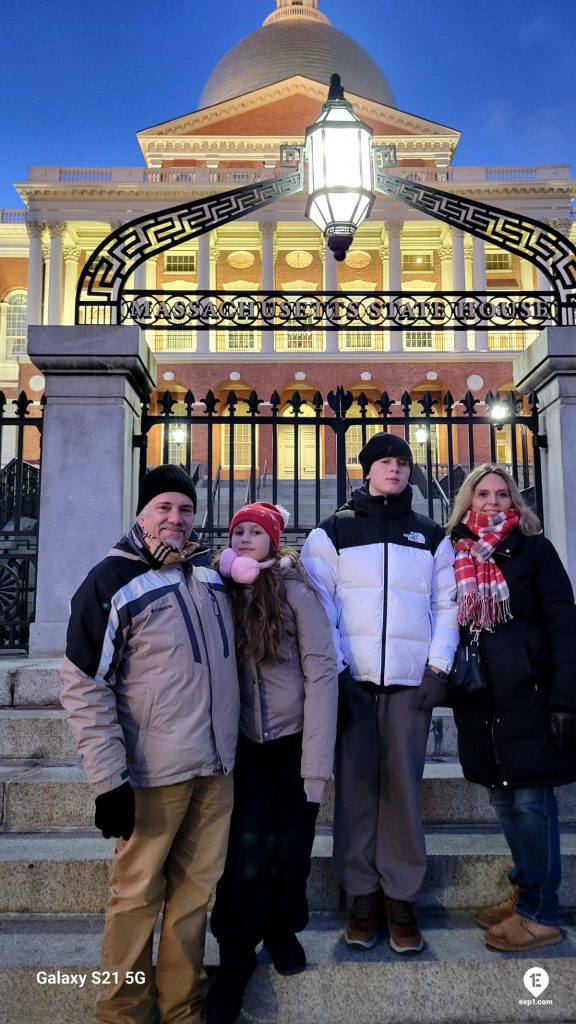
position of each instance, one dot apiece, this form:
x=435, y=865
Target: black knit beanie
x=162, y=479
x=382, y=446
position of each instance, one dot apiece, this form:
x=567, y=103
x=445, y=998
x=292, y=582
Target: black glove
x=432, y=690
x=563, y=729
x=115, y=812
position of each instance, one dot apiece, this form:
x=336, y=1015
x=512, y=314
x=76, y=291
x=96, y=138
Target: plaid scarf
x=482, y=592
x=160, y=552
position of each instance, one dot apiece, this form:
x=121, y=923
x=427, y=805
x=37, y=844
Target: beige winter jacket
x=149, y=680
x=300, y=691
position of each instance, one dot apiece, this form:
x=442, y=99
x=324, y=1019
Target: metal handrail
x=215, y=491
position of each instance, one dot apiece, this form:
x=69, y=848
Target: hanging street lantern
x=338, y=147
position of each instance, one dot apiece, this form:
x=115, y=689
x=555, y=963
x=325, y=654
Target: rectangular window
x=419, y=339
x=359, y=339
x=417, y=261
x=498, y=260
x=242, y=341
x=295, y=341
x=242, y=445
x=180, y=263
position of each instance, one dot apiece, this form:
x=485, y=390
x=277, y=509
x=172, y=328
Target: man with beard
x=151, y=690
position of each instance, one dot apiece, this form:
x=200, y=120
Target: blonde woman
x=518, y=736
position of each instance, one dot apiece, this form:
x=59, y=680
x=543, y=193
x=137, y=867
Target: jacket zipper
x=384, y=600
x=218, y=614
x=219, y=770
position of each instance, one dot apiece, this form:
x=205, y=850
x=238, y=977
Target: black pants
x=262, y=892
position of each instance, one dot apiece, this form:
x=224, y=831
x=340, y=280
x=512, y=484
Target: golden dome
x=296, y=39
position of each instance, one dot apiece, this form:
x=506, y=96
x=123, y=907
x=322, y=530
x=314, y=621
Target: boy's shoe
x=497, y=912
x=405, y=936
x=361, y=930
x=517, y=933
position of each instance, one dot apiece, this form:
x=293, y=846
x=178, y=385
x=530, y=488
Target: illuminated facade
x=262, y=94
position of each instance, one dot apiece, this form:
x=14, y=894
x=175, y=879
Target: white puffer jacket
x=385, y=576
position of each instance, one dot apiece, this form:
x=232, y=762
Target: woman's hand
x=563, y=729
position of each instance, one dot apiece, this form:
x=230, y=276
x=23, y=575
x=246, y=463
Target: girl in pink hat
x=289, y=694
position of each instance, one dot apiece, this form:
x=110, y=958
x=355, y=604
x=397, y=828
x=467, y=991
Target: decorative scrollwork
x=9, y=590
x=532, y=240
x=104, y=275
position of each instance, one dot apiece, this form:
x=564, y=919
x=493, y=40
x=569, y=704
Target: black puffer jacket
x=530, y=663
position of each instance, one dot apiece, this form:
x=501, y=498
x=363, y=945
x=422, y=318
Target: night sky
x=80, y=79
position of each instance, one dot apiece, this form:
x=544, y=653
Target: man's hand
x=563, y=729
x=115, y=812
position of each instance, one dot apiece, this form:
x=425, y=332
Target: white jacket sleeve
x=445, y=633
x=320, y=559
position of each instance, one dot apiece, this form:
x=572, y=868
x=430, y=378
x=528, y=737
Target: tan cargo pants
x=173, y=860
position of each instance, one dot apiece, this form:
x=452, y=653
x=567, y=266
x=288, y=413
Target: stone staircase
x=54, y=869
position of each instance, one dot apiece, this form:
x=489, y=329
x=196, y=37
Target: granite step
x=42, y=732
x=455, y=980
x=37, y=794
x=68, y=871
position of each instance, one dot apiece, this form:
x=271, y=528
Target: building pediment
x=283, y=111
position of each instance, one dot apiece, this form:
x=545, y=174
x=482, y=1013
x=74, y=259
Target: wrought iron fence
x=20, y=455
x=303, y=452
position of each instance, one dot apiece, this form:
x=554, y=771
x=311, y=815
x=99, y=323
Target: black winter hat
x=382, y=446
x=162, y=479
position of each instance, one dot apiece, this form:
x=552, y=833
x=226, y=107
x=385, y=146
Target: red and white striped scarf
x=482, y=592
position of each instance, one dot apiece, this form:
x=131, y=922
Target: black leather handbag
x=466, y=674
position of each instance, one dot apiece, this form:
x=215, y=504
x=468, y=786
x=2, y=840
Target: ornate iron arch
x=103, y=278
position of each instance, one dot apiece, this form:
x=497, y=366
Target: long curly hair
x=258, y=610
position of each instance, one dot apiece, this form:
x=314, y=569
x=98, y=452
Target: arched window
x=16, y=302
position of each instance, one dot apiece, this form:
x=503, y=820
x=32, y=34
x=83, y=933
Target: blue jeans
x=529, y=820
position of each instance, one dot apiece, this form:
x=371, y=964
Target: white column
x=214, y=253
x=57, y=230
x=479, y=277
x=71, y=257
x=330, y=285
x=526, y=276
x=34, y=308
x=394, y=229
x=46, y=282
x=203, y=336
x=459, y=282
x=267, y=235
x=446, y=283
x=151, y=273
x=384, y=252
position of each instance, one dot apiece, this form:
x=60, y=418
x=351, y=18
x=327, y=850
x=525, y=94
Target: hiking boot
x=287, y=953
x=517, y=933
x=227, y=993
x=497, y=912
x=404, y=932
x=361, y=930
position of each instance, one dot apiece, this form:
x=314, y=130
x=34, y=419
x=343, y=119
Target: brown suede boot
x=517, y=933
x=497, y=912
